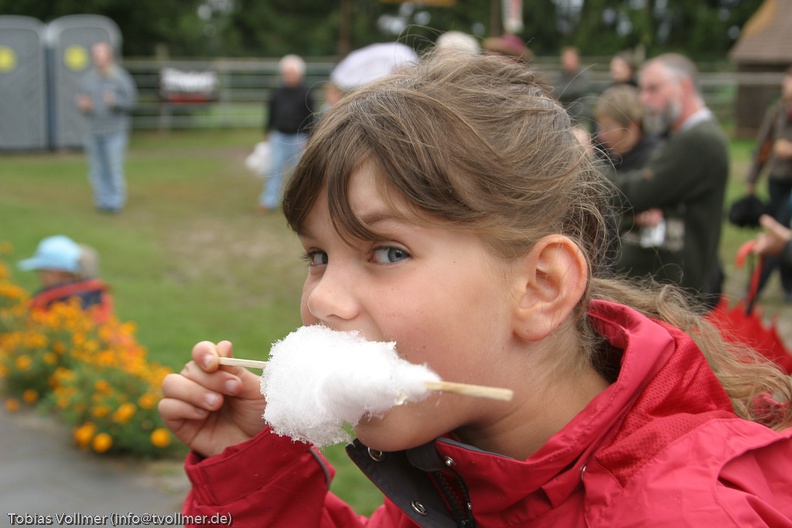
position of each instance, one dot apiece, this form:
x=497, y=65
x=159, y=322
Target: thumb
x=250, y=386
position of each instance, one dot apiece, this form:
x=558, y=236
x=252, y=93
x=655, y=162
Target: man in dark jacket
x=290, y=116
x=685, y=178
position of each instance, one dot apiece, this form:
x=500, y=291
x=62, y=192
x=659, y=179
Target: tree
x=143, y=24
x=272, y=28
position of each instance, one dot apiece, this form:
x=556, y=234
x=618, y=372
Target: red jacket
x=660, y=447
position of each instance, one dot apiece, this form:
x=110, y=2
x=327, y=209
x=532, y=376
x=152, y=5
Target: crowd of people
x=659, y=144
x=505, y=230
x=463, y=209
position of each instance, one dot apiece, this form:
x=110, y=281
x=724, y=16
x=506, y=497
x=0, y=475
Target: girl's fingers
x=205, y=354
x=206, y=392
x=173, y=410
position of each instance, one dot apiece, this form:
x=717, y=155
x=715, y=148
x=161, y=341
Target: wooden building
x=762, y=54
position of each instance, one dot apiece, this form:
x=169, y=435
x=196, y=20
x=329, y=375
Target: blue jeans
x=106, y=169
x=285, y=150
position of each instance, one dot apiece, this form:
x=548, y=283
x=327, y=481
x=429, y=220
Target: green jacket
x=686, y=177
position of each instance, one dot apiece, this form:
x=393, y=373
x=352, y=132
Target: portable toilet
x=23, y=84
x=69, y=40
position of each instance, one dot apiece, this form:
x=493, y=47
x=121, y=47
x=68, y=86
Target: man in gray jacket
x=106, y=96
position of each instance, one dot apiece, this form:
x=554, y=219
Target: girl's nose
x=331, y=298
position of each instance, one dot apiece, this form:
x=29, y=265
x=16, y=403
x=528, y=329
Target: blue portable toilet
x=23, y=84
x=69, y=40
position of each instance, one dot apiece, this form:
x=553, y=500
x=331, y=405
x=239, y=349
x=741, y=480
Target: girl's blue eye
x=316, y=257
x=389, y=255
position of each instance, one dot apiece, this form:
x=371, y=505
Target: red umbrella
x=742, y=323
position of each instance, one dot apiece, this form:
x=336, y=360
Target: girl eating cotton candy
x=449, y=208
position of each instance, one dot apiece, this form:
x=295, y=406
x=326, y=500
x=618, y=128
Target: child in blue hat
x=66, y=270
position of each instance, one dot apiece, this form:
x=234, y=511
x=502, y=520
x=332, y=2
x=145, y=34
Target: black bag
x=746, y=211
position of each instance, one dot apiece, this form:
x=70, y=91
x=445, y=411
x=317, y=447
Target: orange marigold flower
x=102, y=386
x=148, y=400
x=100, y=411
x=35, y=340
x=50, y=358
x=12, y=405
x=23, y=363
x=160, y=437
x=84, y=434
x=30, y=396
x=102, y=442
x=124, y=413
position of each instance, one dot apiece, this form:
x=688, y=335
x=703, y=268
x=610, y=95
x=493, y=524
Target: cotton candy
x=318, y=380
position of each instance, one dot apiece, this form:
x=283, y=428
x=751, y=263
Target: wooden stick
x=478, y=391
x=237, y=362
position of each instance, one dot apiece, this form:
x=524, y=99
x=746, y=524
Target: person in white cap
x=65, y=271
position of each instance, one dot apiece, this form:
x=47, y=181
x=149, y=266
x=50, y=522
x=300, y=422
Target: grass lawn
x=189, y=259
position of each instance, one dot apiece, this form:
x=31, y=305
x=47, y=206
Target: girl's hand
x=209, y=407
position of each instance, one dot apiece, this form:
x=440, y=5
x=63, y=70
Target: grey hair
x=292, y=62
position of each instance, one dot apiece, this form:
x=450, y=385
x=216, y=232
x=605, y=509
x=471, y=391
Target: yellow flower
x=124, y=413
x=30, y=396
x=35, y=340
x=23, y=363
x=84, y=434
x=50, y=358
x=64, y=374
x=100, y=411
x=102, y=442
x=147, y=401
x=12, y=405
x=160, y=437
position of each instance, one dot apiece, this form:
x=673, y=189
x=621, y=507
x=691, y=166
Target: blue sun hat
x=57, y=252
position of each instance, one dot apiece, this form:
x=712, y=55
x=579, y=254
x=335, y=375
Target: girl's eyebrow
x=370, y=220
x=304, y=232
x=373, y=218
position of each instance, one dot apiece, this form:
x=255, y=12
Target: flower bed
x=94, y=376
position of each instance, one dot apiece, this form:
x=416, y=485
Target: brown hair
x=622, y=103
x=479, y=145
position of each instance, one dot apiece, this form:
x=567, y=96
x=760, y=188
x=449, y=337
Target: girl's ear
x=552, y=278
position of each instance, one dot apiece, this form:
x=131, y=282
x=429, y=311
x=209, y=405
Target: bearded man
x=682, y=186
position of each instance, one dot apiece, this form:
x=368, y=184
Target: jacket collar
x=502, y=487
